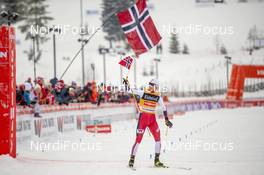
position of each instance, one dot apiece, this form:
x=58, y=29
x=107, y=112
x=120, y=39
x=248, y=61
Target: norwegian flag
x=126, y=62
x=139, y=28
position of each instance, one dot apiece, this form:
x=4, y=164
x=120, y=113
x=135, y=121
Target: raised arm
x=130, y=90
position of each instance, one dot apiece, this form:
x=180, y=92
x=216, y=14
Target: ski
x=132, y=168
x=181, y=168
x=184, y=168
x=162, y=166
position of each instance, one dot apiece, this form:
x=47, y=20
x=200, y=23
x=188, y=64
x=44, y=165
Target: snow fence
x=60, y=119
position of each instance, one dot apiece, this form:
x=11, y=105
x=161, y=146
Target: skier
x=149, y=98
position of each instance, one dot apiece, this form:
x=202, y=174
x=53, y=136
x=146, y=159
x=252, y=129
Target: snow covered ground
x=209, y=142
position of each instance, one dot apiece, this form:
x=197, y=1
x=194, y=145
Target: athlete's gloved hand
x=125, y=81
x=168, y=123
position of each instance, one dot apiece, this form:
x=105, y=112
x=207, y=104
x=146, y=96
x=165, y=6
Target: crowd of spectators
x=57, y=92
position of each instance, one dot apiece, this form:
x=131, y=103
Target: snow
x=240, y=129
x=237, y=130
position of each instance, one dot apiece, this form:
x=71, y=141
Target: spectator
x=27, y=92
x=101, y=93
x=53, y=82
x=94, y=94
x=50, y=95
x=86, y=93
x=20, y=95
x=41, y=91
x=57, y=92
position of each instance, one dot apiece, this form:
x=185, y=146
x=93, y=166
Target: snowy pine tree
x=242, y=1
x=217, y=43
x=151, y=73
x=223, y=50
x=252, y=37
x=185, y=50
x=112, y=26
x=144, y=73
x=174, y=44
x=36, y=16
x=14, y=6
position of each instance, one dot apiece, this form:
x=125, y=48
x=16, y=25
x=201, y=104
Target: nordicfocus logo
x=3, y=55
x=260, y=72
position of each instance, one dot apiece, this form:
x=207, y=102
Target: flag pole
x=137, y=106
x=86, y=41
x=135, y=99
x=79, y=51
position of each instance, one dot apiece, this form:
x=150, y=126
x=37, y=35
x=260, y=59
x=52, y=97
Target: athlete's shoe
x=157, y=162
x=131, y=161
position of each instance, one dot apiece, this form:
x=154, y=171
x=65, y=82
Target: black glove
x=125, y=81
x=167, y=121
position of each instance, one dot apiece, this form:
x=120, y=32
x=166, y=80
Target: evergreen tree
x=242, y=0
x=252, y=36
x=14, y=6
x=174, y=44
x=223, y=50
x=217, y=43
x=145, y=73
x=36, y=17
x=151, y=73
x=112, y=26
x=185, y=50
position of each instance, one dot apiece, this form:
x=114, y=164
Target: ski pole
x=167, y=130
x=105, y=20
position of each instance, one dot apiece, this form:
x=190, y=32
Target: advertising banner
x=25, y=128
x=45, y=127
x=99, y=128
x=7, y=91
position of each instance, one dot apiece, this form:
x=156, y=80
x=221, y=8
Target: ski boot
x=131, y=161
x=157, y=162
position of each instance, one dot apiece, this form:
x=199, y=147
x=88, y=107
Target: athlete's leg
x=155, y=131
x=139, y=133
